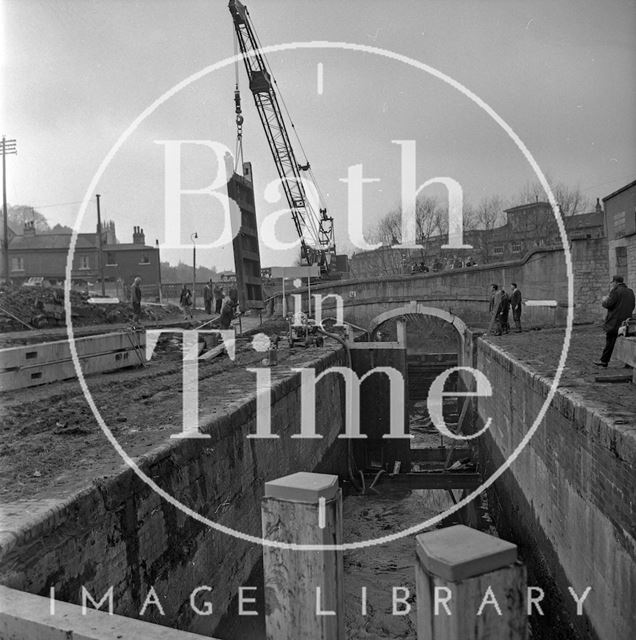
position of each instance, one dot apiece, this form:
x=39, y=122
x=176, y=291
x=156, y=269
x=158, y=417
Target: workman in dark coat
x=620, y=306
x=515, y=305
x=135, y=298
x=494, y=308
x=505, y=311
x=227, y=312
x=208, y=296
x=218, y=298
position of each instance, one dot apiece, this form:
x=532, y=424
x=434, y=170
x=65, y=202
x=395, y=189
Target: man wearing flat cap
x=620, y=305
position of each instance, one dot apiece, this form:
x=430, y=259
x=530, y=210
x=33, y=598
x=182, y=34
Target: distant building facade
x=620, y=225
x=45, y=254
x=528, y=226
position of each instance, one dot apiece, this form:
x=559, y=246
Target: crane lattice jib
x=312, y=228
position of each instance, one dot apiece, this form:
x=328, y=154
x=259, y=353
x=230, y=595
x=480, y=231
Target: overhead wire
x=57, y=204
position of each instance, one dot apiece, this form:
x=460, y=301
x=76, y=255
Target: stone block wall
x=120, y=533
x=567, y=499
x=591, y=277
x=541, y=275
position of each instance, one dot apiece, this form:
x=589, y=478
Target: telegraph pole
x=100, y=253
x=8, y=148
x=159, y=270
x=193, y=237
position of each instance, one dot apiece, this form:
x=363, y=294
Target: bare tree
x=489, y=212
x=389, y=229
x=571, y=199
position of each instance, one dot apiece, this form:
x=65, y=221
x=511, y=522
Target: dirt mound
x=42, y=307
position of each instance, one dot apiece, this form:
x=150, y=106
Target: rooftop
x=615, y=193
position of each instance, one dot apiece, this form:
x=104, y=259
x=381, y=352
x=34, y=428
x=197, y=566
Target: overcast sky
x=78, y=72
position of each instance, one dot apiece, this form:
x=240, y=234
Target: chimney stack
x=29, y=229
x=138, y=236
x=111, y=236
x=599, y=208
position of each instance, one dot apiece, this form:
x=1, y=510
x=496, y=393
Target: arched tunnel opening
x=433, y=346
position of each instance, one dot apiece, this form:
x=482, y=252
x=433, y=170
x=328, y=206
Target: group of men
x=619, y=302
x=225, y=305
x=212, y=294
x=500, y=306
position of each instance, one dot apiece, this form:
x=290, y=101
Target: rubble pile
x=42, y=307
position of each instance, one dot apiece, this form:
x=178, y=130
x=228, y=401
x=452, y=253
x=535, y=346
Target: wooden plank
x=437, y=480
x=617, y=377
x=439, y=454
x=375, y=406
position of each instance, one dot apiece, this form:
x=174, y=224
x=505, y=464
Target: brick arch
x=421, y=309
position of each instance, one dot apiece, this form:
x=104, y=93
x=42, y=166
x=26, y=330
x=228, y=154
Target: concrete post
x=470, y=586
x=304, y=593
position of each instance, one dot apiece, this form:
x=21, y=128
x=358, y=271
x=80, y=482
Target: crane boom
x=315, y=228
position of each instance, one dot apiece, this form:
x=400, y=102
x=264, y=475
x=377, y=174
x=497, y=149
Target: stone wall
x=120, y=533
x=631, y=262
x=591, y=276
x=540, y=275
x=567, y=499
x=628, y=271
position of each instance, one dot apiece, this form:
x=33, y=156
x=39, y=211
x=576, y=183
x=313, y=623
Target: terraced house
x=45, y=255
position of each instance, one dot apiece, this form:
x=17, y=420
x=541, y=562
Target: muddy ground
x=52, y=444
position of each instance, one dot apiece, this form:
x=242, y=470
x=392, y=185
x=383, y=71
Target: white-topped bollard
x=304, y=593
x=470, y=586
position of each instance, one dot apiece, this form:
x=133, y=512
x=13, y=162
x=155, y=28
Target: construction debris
x=43, y=307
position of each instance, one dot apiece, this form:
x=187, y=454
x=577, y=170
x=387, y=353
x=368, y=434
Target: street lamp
x=193, y=237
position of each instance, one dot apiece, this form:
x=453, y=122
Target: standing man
x=620, y=305
x=505, y=311
x=515, y=304
x=185, y=300
x=135, y=297
x=208, y=296
x=494, y=328
x=227, y=312
x=218, y=298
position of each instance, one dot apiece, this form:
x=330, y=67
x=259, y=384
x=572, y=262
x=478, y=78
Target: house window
x=619, y=224
x=144, y=259
x=84, y=263
x=621, y=257
x=111, y=260
x=497, y=251
x=516, y=247
x=17, y=263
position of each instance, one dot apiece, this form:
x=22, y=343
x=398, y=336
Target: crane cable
x=238, y=152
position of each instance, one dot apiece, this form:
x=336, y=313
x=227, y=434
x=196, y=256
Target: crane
x=314, y=228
